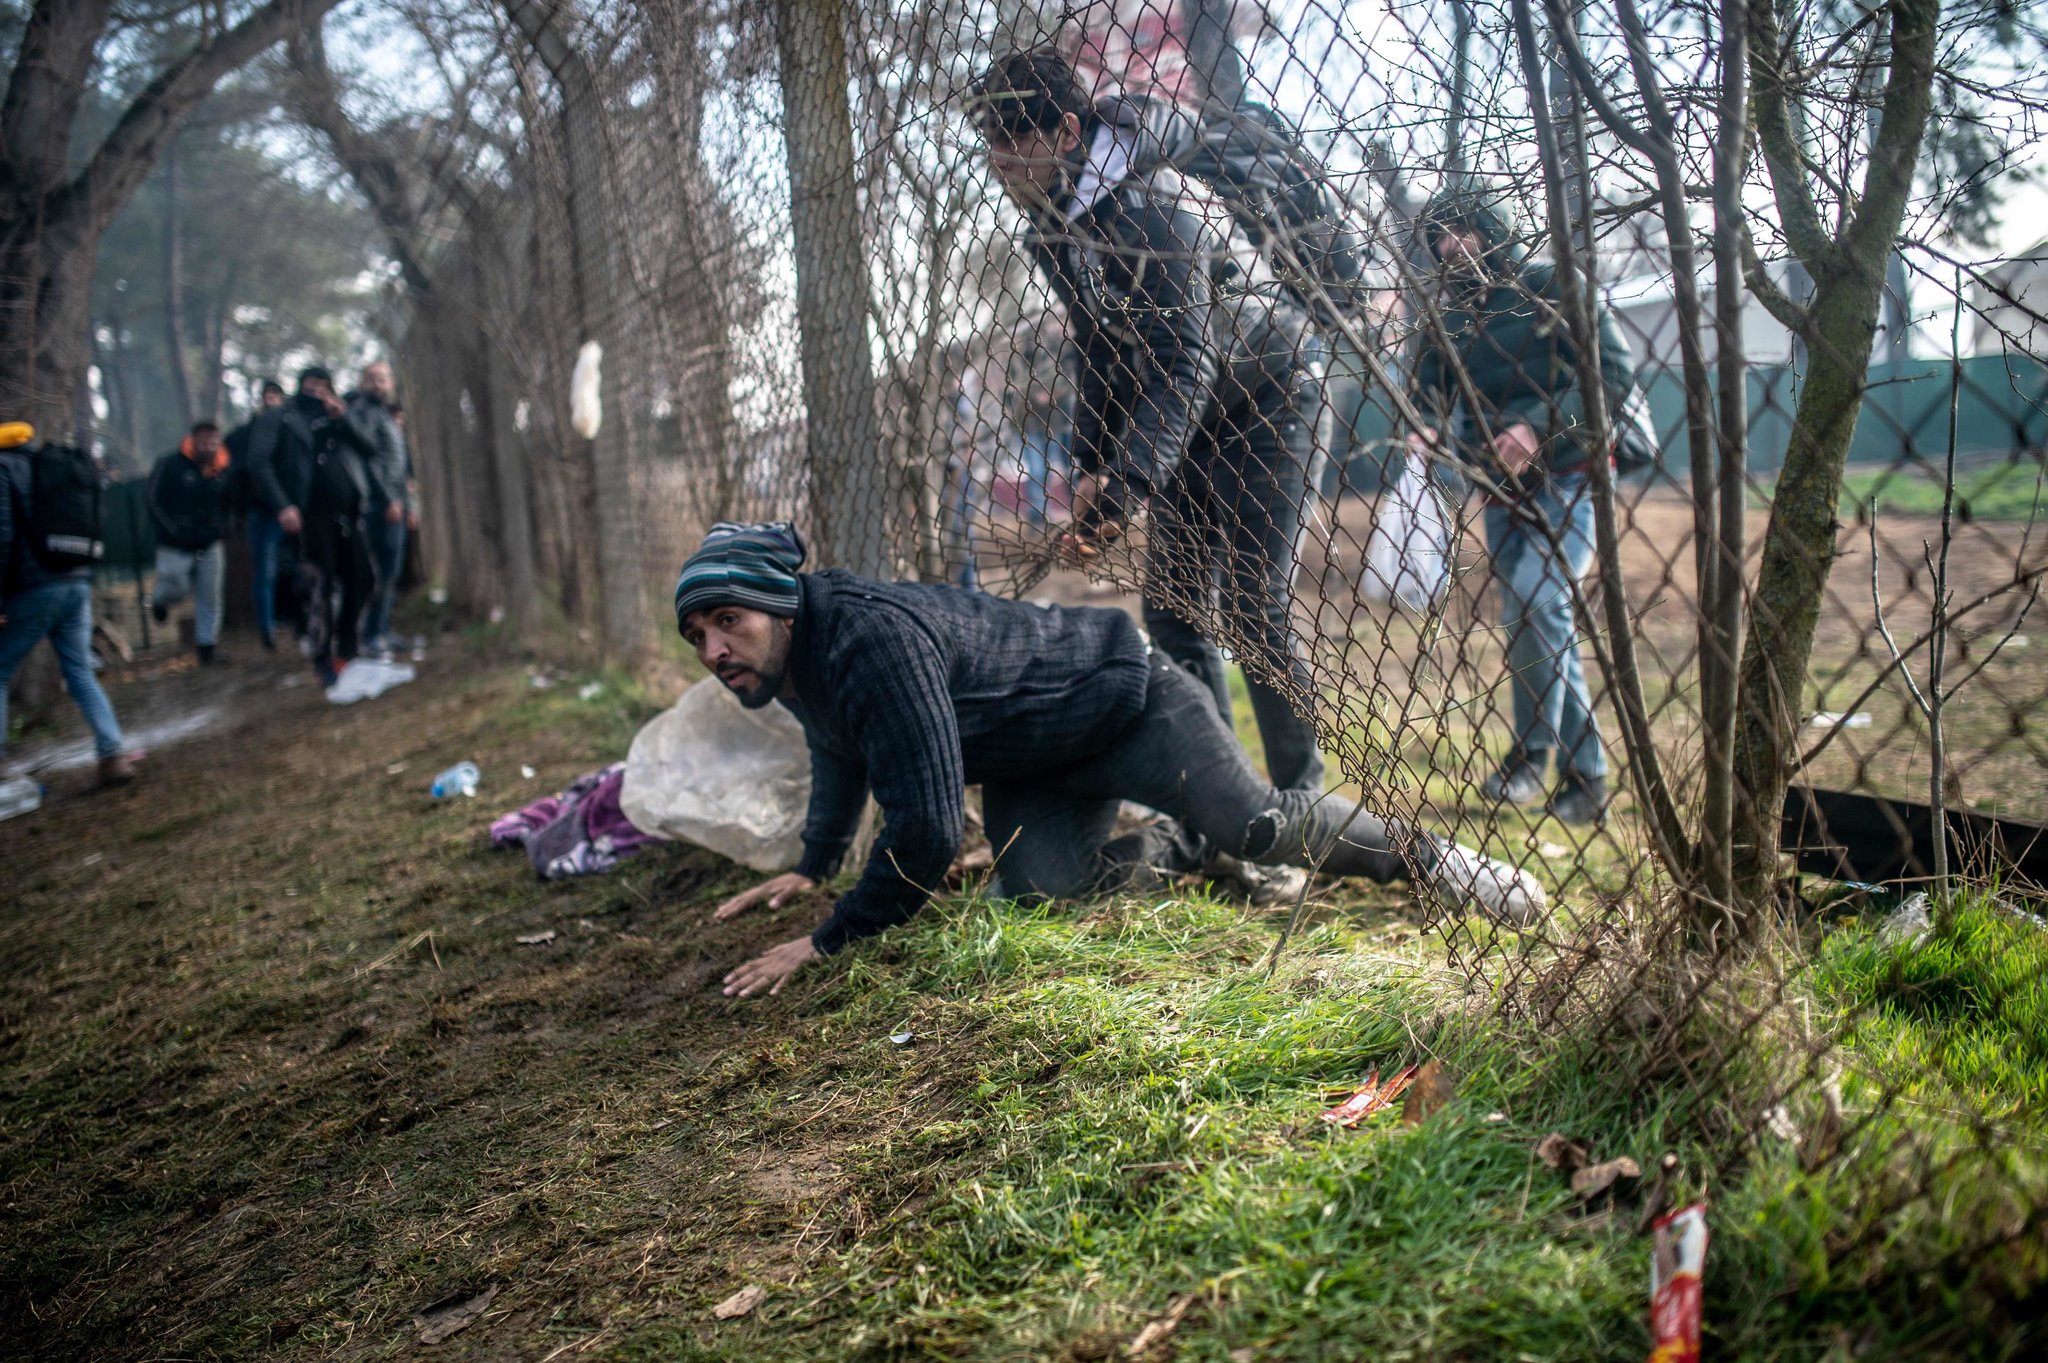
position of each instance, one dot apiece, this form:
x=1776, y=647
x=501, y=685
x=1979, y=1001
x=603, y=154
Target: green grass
x=2007, y=490
x=278, y=1075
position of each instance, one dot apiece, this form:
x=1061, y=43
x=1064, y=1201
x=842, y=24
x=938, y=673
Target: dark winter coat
x=21, y=569
x=297, y=448
x=377, y=429
x=1506, y=330
x=190, y=509
x=914, y=692
x=1165, y=314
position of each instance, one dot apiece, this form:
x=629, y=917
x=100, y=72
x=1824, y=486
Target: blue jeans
x=61, y=612
x=1040, y=453
x=956, y=525
x=195, y=573
x=265, y=539
x=386, y=541
x=1553, y=708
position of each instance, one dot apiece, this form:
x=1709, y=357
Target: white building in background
x=2010, y=302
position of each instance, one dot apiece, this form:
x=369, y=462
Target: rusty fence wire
x=780, y=224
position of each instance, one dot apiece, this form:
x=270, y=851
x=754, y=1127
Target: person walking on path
x=373, y=410
x=45, y=592
x=189, y=492
x=1502, y=335
x=913, y=691
x=313, y=473
x=266, y=538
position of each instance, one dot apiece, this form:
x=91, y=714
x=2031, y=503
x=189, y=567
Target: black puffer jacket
x=1164, y=304
x=1505, y=328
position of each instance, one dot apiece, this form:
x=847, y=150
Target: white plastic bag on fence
x=710, y=771
x=1408, y=554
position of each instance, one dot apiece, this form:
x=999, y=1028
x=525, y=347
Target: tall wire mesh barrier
x=1559, y=477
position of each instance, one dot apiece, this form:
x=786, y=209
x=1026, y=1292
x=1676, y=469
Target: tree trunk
x=53, y=211
x=174, y=290
x=848, y=493
x=1799, y=543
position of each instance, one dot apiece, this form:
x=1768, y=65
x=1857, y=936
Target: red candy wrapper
x=1676, y=1258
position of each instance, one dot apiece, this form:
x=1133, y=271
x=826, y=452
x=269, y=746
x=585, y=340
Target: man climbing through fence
x=1199, y=379
x=912, y=692
x=1503, y=334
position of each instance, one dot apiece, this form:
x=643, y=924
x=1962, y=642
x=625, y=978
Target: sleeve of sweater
x=839, y=791
x=893, y=695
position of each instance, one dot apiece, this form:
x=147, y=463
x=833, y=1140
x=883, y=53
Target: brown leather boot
x=116, y=770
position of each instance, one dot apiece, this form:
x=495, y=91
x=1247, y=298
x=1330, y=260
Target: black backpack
x=1280, y=194
x=64, y=527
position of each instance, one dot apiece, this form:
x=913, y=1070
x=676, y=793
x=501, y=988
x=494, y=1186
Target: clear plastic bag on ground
x=1408, y=554
x=710, y=771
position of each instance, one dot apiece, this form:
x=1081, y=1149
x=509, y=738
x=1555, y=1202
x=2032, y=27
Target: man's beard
x=768, y=678
x=763, y=692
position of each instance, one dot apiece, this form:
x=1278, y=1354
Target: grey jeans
x=1055, y=836
x=197, y=573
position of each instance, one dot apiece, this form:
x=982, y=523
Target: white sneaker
x=1502, y=892
x=358, y=681
x=1264, y=886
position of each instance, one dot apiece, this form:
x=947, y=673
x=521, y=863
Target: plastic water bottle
x=459, y=779
x=19, y=795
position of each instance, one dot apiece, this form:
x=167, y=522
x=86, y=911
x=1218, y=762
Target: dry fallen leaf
x=455, y=1312
x=1563, y=1153
x=741, y=1303
x=1431, y=1091
x=1596, y=1179
x=1155, y=1332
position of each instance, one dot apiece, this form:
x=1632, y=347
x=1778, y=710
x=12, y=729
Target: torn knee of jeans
x=1261, y=835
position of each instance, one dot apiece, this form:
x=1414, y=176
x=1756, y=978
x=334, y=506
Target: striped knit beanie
x=743, y=565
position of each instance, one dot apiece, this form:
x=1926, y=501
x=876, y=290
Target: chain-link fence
x=1537, y=406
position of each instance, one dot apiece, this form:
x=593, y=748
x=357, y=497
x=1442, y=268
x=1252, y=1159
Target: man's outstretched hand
x=770, y=970
x=776, y=892
x=1090, y=536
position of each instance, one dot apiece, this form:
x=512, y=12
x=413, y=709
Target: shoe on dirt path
x=118, y=770
x=1264, y=886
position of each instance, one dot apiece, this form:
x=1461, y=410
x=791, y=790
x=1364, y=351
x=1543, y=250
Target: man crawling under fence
x=1060, y=714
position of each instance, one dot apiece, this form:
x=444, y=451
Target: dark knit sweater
x=914, y=692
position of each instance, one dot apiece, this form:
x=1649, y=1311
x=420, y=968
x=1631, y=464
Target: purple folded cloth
x=580, y=832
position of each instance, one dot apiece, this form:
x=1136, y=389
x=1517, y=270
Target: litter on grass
x=457, y=1312
x=590, y=691
x=1678, y=1255
x=1831, y=719
x=526, y=773
x=537, y=939
x=741, y=1303
x=902, y=1038
x=1371, y=1098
